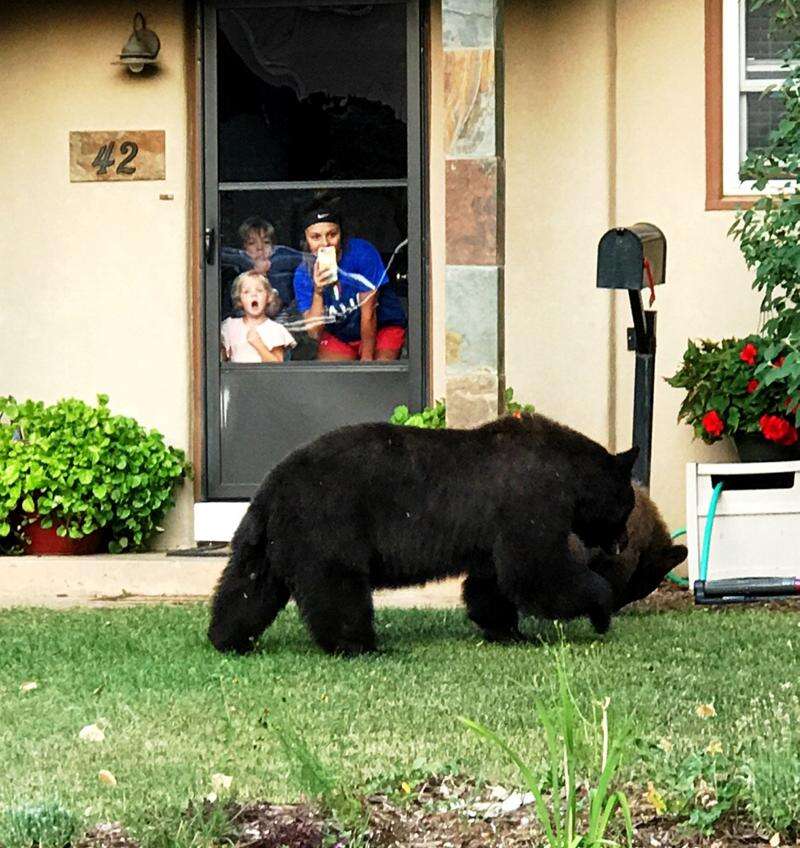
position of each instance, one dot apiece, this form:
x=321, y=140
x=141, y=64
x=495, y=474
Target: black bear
x=649, y=556
x=379, y=505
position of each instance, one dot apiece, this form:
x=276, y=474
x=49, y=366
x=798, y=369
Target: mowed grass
x=174, y=711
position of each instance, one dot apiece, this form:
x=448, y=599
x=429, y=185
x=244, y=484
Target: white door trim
x=216, y=521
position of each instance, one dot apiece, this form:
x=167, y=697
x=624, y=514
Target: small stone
x=91, y=733
x=29, y=686
x=220, y=781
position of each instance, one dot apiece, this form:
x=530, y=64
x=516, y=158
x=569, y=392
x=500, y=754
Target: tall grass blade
x=528, y=776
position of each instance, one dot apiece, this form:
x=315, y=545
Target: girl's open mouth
x=254, y=304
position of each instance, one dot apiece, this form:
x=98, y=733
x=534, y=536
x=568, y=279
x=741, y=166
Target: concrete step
x=128, y=579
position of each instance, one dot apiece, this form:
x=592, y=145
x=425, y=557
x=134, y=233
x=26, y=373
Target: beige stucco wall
x=661, y=177
x=604, y=124
x=95, y=293
x=558, y=64
x=605, y=114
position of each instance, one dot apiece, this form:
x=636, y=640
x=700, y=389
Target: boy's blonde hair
x=273, y=298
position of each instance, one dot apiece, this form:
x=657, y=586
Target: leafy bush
x=434, y=417
x=430, y=418
x=80, y=468
x=46, y=825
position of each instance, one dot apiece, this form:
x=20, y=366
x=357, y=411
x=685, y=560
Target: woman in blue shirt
x=369, y=320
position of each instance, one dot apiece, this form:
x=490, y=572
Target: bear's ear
x=625, y=460
x=664, y=560
x=674, y=556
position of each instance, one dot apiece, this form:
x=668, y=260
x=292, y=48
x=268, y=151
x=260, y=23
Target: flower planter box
x=756, y=530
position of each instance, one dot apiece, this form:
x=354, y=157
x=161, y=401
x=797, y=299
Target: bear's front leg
x=336, y=606
x=536, y=571
x=489, y=608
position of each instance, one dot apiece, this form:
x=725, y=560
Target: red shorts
x=387, y=338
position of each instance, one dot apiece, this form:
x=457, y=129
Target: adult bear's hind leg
x=337, y=608
x=490, y=609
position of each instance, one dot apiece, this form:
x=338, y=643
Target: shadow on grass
x=404, y=633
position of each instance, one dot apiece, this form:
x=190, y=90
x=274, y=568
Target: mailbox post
x=634, y=258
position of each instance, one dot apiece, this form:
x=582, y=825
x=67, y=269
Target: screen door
x=313, y=174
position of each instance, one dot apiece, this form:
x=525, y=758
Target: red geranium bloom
x=749, y=353
x=712, y=423
x=752, y=385
x=777, y=429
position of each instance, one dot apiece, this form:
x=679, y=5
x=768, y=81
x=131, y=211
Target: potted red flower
x=742, y=389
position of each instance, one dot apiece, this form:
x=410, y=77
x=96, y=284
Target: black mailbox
x=631, y=258
x=634, y=258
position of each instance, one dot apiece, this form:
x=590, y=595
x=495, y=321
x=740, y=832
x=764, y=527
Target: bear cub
x=649, y=556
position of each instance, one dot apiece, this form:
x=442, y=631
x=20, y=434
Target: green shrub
x=47, y=825
x=434, y=417
x=80, y=468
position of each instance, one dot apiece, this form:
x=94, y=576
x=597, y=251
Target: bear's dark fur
x=649, y=556
x=377, y=505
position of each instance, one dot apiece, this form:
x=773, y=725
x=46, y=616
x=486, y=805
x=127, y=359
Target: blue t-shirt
x=360, y=270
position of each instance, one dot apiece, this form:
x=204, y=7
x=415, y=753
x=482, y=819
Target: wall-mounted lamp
x=141, y=48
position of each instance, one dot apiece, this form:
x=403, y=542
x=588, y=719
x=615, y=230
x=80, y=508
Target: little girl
x=254, y=337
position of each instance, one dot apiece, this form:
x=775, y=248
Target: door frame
x=206, y=355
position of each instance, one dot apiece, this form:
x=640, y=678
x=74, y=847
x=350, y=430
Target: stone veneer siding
x=474, y=194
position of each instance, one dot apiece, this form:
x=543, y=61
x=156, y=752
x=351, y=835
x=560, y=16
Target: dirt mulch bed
x=106, y=835
x=669, y=597
x=448, y=812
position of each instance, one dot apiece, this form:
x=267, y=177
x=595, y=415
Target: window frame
x=726, y=90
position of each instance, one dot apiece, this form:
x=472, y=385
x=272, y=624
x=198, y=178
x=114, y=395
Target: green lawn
x=174, y=711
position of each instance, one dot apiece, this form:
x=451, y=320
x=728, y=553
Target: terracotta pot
x=46, y=542
x=753, y=447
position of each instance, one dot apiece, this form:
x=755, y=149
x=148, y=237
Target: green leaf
x=28, y=505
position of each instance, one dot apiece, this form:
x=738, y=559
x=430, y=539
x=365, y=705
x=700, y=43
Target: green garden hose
x=712, y=511
x=672, y=577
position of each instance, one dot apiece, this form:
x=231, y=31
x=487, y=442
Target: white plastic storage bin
x=756, y=530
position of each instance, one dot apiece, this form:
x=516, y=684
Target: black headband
x=322, y=215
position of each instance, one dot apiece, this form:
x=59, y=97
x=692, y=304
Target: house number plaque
x=116, y=155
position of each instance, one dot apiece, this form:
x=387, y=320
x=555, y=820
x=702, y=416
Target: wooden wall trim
x=193, y=229
x=715, y=199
